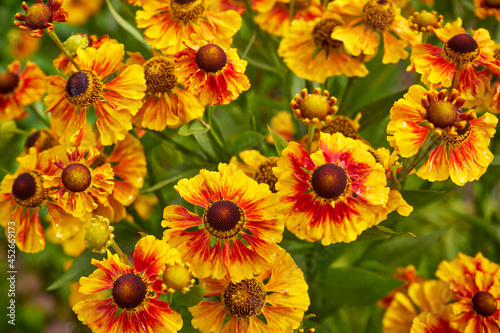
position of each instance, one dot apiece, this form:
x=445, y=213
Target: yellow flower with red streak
x=457, y=60
x=310, y=52
x=169, y=23
x=333, y=194
x=22, y=195
x=76, y=186
x=133, y=305
x=40, y=16
x=166, y=102
x=462, y=153
x=278, y=293
x=365, y=19
x=19, y=89
x=435, y=322
x=485, y=8
x=276, y=21
x=213, y=73
x=258, y=167
x=474, y=282
x=237, y=211
x=128, y=163
x=114, y=101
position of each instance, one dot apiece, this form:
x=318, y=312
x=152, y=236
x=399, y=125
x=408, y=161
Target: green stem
x=345, y=95
x=215, y=136
x=179, y=146
x=120, y=253
x=60, y=45
x=44, y=119
x=292, y=10
x=310, y=134
x=20, y=131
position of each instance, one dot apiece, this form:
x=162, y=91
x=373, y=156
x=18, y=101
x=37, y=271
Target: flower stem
x=210, y=111
x=60, y=45
x=120, y=253
x=310, y=134
x=45, y=120
x=292, y=10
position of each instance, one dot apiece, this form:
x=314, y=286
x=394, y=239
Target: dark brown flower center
x=461, y=48
x=83, y=88
x=301, y=4
x=159, y=74
x=187, y=9
x=379, y=14
x=322, y=31
x=461, y=136
x=28, y=190
x=265, y=174
x=484, y=303
x=244, y=299
x=492, y=3
x=341, y=124
x=329, y=181
x=76, y=177
x=37, y=15
x=129, y=291
x=442, y=114
x=223, y=219
x=211, y=58
x=43, y=137
x=8, y=82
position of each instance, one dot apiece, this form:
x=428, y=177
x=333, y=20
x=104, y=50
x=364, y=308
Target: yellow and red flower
x=169, y=23
x=21, y=45
x=133, y=305
x=457, y=60
x=40, y=16
x=462, y=153
x=19, y=89
x=434, y=322
x=276, y=21
x=333, y=194
x=474, y=282
x=76, y=186
x=278, y=293
x=310, y=52
x=22, y=194
x=114, y=101
x=364, y=20
x=485, y=8
x=314, y=107
x=166, y=102
x=213, y=73
x=237, y=211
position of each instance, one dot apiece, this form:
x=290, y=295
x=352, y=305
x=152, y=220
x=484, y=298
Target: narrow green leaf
x=185, y=170
x=191, y=128
x=82, y=266
x=376, y=111
x=127, y=26
x=247, y=141
x=279, y=142
x=379, y=232
x=191, y=298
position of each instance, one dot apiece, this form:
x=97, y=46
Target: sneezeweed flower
x=166, y=102
x=20, y=88
x=237, y=211
x=44, y=138
x=365, y=20
x=76, y=186
x=333, y=194
x=273, y=301
x=457, y=60
x=114, y=101
x=314, y=107
x=81, y=11
x=476, y=292
x=133, y=305
x=128, y=163
x=462, y=153
x=310, y=52
x=21, y=45
x=23, y=194
x=170, y=23
x=277, y=20
x=407, y=274
x=423, y=21
x=177, y=276
x=40, y=16
x=429, y=296
x=213, y=73
x=258, y=167
x=484, y=8
x=434, y=322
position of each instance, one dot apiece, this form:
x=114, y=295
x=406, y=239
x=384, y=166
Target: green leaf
x=279, y=142
x=82, y=266
x=379, y=232
x=247, y=141
x=496, y=160
x=127, y=26
x=352, y=286
x=185, y=170
x=191, y=128
x=420, y=198
x=376, y=111
x=191, y=298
